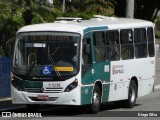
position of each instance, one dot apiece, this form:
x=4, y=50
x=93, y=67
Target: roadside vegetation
x=17, y=13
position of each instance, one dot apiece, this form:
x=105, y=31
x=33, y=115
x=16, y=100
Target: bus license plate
x=51, y=85
x=42, y=97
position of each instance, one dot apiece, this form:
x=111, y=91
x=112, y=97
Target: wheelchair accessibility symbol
x=47, y=70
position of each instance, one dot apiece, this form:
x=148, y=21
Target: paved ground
x=144, y=106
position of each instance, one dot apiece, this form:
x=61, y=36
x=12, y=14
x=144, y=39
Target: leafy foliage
x=10, y=21
x=157, y=27
x=104, y=7
x=16, y=13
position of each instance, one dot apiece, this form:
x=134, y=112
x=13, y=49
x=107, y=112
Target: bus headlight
x=16, y=84
x=71, y=86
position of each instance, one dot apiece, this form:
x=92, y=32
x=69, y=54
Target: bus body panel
x=64, y=98
x=99, y=72
x=71, y=98
x=124, y=70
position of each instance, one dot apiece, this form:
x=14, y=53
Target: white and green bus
x=83, y=62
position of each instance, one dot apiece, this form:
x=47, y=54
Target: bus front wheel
x=96, y=100
x=132, y=95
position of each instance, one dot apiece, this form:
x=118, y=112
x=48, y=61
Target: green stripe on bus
x=101, y=73
x=86, y=94
x=95, y=28
x=33, y=84
x=29, y=84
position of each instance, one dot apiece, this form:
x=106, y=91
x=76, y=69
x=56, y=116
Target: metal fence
x=5, y=67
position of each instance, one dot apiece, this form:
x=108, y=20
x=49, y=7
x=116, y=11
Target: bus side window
x=150, y=37
x=127, y=49
x=140, y=41
x=99, y=48
x=86, y=53
x=112, y=45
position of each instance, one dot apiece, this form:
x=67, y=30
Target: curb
x=5, y=99
x=6, y=105
x=157, y=87
x=12, y=108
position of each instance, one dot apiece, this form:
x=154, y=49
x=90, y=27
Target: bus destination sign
x=49, y=38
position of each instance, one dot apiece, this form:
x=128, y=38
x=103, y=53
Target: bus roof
x=80, y=27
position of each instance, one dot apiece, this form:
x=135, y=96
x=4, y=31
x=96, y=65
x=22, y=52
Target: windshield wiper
x=31, y=68
x=53, y=65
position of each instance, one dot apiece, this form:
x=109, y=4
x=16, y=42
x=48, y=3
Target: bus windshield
x=46, y=54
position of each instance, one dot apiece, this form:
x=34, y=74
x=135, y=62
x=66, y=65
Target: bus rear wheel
x=96, y=100
x=132, y=95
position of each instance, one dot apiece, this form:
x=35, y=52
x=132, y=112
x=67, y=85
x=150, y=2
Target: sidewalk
x=157, y=78
x=6, y=105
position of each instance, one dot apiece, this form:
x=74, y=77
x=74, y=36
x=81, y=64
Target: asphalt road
x=147, y=105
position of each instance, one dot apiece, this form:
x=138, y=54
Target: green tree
x=86, y=8
x=37, y=11
x=10, y=20
x=105, y=7
x=17, y=13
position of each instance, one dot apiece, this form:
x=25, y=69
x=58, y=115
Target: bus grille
x=44, y=90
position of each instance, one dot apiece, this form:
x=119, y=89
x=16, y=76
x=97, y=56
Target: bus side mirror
x=10, y=47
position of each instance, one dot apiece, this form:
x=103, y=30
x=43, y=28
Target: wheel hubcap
x=96, y=99
x=132, y=95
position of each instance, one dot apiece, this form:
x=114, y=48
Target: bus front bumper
x=65, y=98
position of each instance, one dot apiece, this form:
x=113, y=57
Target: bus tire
x=33, y=107
x=132, y=95
x=96, y=100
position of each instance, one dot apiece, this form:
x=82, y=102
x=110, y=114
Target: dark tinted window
x=112, y=45
x=150, y=37
x=86, y=51
x=140, y=40
x=99, y=48
x=127, y=49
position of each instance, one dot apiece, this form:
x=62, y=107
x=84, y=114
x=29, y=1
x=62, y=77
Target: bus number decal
x=106, y=68
x=51, y=85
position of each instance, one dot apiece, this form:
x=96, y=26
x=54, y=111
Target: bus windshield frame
x=51, y=54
